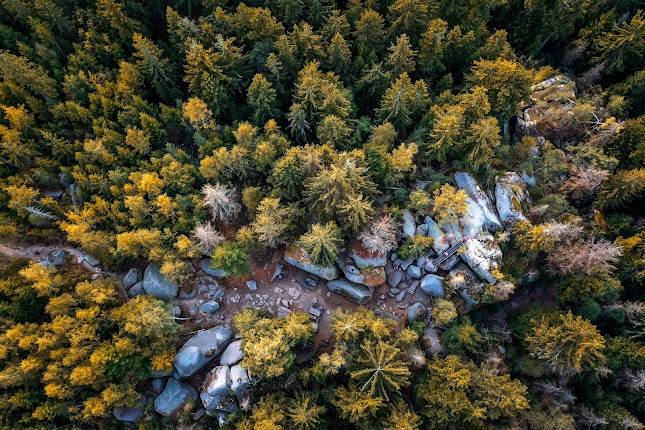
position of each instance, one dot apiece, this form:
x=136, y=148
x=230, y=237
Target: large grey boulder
x=462, y=278
x=355, y=292
x=173, y=397
x=205, y=266
x=157, y=285
x=394, y=278
x=510, y=195
x=454, y=232
x=297, y=257
x=417, y=312
x=365, y=258
x=483, y=255
x=216, y=389
x=409, y=226
x=474, y=220
x=240, y=381
x=209, y=307
x=368, y=276
x=130, y=278
x=413, y=271
x=201, y=348
x=431, y=340
x=432, y=285
x=130, y=414
x=472, y=188
x=136, y=290
x=440, y=241
x=233, y=354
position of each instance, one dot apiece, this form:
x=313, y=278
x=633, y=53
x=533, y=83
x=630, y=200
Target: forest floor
x=289, y=293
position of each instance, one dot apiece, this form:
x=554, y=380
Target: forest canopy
x=165, y=134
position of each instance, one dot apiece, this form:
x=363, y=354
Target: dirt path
x=290, y=293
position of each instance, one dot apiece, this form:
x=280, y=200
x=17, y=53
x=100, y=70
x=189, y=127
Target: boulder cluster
x=464, y=252
x=225, y=386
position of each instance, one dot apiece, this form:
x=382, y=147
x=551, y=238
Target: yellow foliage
x=20, y=197
x=17, y=116
x=566, y=341
x=138, y=140
x=82, y=375
x=57, y=391
x=31, y=364
x=197, y=113
x=173, y=269
x=245, y=134
x=185, y=247
x=44, y=280
x=267, y=342
x=166, y=206
x=163, y=361
x=137, y=243
x=402, y=158
x=149, y=182
x=443, y=311
x=355, y=405
x=449, y=204
x=213, y=166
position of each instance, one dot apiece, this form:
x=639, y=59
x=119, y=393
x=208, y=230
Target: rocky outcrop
x=551, y=99
x=157, y=285
x=368, y=276
x=130, y=414
x=216, y=390
x=510, y=197
x=223, y=387
x=233, y=354
x=297, y=257
x=131, y=278
x=440, y=242
x=173, y=397
x=209, y=307
x=417, y=312
x=481, y=199
x=432, y=285
x=355, y=292
x=201, y=348
x=240, y=381
x=365, y=258
x=409, y=226
x=482, y=255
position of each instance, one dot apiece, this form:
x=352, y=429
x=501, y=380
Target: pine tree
x=459, y=392
x=506, y=82
x=432, y=46
x=339, y=56
x=303, y=412
x=369, y=33
x=151, y=62
x=566, y=342
x=322, y=243
x=401, y=56
x=403, y=101
x=410, y=16
x=378, y=368
x=262, y=97
x=271, y=222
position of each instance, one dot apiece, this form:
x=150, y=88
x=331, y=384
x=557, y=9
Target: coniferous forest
x=309, y=214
